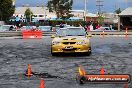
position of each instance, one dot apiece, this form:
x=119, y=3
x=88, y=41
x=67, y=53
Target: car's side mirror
x=88, y=35
x=53, y=36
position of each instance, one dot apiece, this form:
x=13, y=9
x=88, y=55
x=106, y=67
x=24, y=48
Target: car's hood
x=71, y=38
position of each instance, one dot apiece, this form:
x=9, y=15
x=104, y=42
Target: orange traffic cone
x=82, y=71
x=126, y=34
x=41, y=84
x=126, y=86
x=29, y=71
x=102, y=71
x=102, y=34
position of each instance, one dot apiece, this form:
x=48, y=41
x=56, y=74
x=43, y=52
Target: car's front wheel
x=53, y=54
x=89, y=52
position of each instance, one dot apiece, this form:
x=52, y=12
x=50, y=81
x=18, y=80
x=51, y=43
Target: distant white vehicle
x=7, y=28
x=45, y=28
x=57, y=27
x=23, y=28
x=104, y=29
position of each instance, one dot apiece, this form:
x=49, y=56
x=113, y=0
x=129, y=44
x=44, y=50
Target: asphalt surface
x=112, y=53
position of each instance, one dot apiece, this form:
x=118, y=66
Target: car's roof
x=63, y=28
x=70, y=28
x=74, y=27
x=104, y=27
x=44, y=26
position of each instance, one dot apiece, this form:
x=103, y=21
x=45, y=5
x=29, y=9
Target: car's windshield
x=71, y=32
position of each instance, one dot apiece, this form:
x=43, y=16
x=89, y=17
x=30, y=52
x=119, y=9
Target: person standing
x=91, y=27
x=17, y=21
x=110, y=26
x=98, y=26
x=88, y=28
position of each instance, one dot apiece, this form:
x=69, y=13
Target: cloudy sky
x=108, y=5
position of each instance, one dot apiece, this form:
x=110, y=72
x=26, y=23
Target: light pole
x=44, y=11
x=44, y=7
x=85, y=9
x=126, y=3
x=99, y=4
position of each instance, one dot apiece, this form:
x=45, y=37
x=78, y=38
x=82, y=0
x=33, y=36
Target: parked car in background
x=45, y=28
x=57, y=27
x=26, y=28
x=7, y=28
x=104, y=29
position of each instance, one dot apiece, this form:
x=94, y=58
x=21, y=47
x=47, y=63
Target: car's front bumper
x=74, y=49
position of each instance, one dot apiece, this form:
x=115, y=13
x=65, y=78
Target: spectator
x=121, y=27
x=85, y=27
x=94, y=26
x=98, y=26
x=88, y=28
x=17, y=21
x=34, y=28
x=91, y=27
x=110, y=26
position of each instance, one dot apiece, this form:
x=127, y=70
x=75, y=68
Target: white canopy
x=126, y=12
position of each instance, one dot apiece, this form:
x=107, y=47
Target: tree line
x=6, y=9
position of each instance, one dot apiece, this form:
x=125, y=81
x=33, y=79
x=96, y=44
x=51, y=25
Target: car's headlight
x=55, y=42
x=81, y=43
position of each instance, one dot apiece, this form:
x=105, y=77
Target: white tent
x=126, y=12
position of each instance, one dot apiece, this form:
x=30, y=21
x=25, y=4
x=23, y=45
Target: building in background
x=77, y=15
x=110, y=18
x=39, y=13
x=80, y=15
x=90, y=17
x=125, y=19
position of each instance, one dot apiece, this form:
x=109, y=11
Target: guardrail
x=10, y=33
x=111, y=33
x=49, y=33
x=18, y=33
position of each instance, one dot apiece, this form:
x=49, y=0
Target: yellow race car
x=71, y=40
